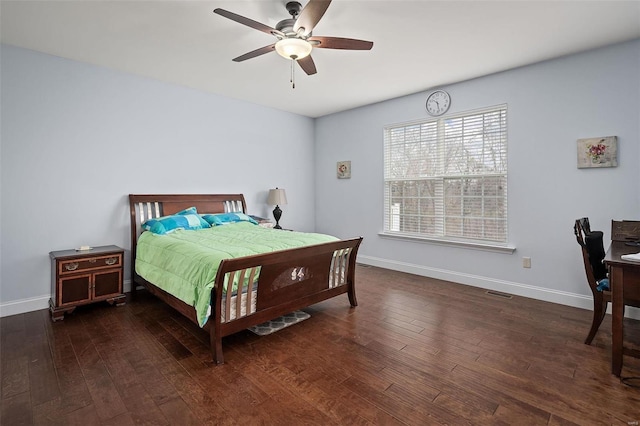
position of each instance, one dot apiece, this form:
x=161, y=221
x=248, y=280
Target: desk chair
x=592, y=255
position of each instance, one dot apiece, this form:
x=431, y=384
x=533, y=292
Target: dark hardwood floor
x=416, y=351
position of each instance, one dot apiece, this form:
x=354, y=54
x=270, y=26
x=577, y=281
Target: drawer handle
x=71, y=266
x=111, y=260
x=92, y=261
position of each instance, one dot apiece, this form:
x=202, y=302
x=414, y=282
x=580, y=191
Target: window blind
x=447, y=177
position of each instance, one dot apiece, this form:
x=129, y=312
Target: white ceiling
x=418, y=45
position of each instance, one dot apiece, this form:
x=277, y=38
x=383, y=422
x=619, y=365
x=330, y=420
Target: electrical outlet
x=526, y=262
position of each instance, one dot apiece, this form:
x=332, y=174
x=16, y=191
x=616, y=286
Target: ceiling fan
x=295, y=40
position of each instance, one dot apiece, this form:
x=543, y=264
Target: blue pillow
x=164, y=225
x=190, y=210
x=226, y=218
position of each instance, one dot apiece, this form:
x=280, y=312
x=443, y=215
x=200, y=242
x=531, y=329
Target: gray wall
x=550, y=106
x=76, y=139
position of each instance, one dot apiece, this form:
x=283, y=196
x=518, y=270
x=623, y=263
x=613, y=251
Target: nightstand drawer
x=89, y=263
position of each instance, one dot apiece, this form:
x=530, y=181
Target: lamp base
x=277, y=213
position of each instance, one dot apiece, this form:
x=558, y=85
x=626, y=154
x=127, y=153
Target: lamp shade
x=293, y=48
x=277, y=197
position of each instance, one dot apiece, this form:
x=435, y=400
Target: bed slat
x=227, y=285
x=241, y=290
x=148, y=211
x=249, y=299
x=233, y=206
x=339, y=268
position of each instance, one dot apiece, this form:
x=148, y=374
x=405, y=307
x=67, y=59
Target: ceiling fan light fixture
x=293, y=48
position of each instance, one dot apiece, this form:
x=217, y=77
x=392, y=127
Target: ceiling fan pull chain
x=293, y=74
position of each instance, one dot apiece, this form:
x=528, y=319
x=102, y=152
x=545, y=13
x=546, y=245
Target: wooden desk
x=624, y=280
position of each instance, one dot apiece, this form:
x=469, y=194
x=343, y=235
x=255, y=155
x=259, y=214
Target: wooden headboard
x=148, y=206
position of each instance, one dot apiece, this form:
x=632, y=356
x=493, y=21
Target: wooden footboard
x=286, y=281
x=267, y=285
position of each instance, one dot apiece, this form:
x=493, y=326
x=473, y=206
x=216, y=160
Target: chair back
x=625, y=230
x=592, y=252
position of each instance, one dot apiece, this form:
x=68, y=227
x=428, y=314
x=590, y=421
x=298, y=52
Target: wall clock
x=438, y=103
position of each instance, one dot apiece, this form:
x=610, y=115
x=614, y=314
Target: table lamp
x=276, y=197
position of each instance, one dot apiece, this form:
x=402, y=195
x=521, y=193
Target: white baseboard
x=36, y=303
x=555, y=296
x=24, y=305
x=518, y=289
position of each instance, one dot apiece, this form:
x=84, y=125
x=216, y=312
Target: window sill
x=485, y=246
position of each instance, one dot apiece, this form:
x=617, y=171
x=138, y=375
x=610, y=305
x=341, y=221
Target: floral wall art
x=598, y=152
x=344, y=169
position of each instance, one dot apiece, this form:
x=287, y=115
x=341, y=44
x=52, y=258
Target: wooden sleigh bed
x=270, y=284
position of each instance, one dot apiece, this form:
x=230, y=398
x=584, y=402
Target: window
x=447, y=178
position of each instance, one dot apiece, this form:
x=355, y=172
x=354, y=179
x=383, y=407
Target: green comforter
x=184, y=263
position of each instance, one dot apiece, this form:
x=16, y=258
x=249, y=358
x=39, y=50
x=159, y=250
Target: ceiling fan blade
x=341, y=43
x=307, y=65
x=255, y=53
x=310, y=15
x=246, y=21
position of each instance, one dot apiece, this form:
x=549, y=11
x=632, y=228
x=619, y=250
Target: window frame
x=437, y=176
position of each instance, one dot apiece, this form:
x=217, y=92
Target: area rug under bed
x=279, y=323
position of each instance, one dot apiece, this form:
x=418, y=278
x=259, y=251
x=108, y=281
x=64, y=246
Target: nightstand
x=80, y=277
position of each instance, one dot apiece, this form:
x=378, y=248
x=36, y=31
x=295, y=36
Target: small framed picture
x=344, y=169
x=598, y=152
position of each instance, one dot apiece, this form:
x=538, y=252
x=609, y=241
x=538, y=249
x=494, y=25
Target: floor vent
x=497, y=293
